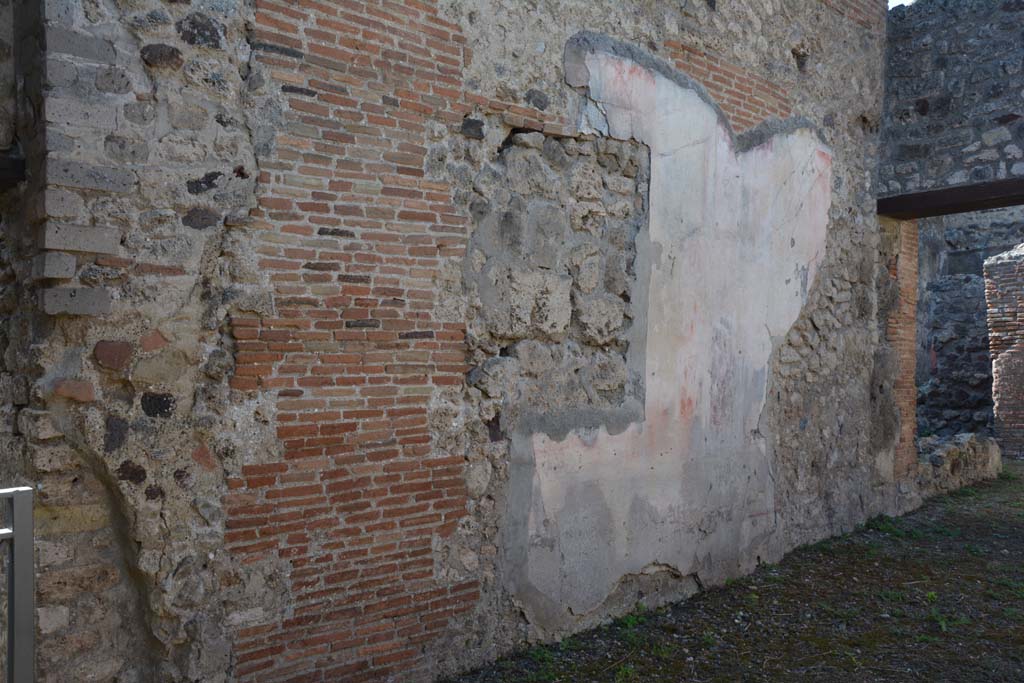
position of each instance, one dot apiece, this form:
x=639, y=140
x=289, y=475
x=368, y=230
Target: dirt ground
x=934, y=596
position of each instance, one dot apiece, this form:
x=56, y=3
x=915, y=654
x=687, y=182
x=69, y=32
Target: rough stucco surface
x=829, y=469
x=687, y=488
x=635, y=293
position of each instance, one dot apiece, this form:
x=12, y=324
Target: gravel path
x=934, y=596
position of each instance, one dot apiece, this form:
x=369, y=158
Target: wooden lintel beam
x=995, y=194
x=12, y=170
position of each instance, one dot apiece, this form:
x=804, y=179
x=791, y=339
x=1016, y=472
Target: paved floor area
x=934, y=596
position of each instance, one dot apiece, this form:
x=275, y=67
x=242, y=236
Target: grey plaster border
x=589, y=42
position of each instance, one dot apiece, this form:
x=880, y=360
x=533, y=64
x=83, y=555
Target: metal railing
x=21, y=590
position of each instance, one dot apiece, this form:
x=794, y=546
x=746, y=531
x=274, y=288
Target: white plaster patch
x=735, y=241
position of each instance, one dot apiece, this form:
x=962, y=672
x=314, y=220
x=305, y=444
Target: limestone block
x=69, y=519
x=68, y=237
x=59, y=203
x=54, y=265
x=538, y=303
x=113, y=80
x=60, y=586
x=125, y=149
x=996, y=136
x=13, y=389
x=89, y=48
x=478, y=476
x=60, y=73
x=600, y=317
x=89, y=176
x=586, y=261
x=166, y=367
x=53, y=457
x=78, y=113
x=52, y=553
x=76, y=301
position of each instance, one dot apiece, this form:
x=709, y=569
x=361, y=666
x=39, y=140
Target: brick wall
x=901, y=332
x=353, y=235
x=1004, y=293
x=746, y=98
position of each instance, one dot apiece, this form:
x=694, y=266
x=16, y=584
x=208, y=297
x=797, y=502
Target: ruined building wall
x=115, y=330
x=953, y=115
x=1004, y=290
x=953, y=78
x=359, y=327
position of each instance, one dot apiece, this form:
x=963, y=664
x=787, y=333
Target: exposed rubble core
x=552, y=282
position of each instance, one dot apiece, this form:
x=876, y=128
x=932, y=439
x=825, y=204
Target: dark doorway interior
x=954, y=371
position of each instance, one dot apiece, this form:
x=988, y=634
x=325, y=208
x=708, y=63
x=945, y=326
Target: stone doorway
x=953, y=370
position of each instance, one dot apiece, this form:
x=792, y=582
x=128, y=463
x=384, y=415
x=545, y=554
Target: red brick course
x=352, y=235
x=901, y=332
x=1004, y=294
x=747, y=99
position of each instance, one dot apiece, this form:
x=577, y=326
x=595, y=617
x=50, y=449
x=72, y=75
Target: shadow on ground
x=934, y=596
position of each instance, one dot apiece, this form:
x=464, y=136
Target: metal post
x=21, y=590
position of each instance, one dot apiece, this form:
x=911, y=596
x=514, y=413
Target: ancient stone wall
x=955, y=70
x=1004, y=290
x=369, y=340
x=954, y=73
x=120, y=290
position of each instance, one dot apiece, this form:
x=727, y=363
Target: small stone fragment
x=473, y=128
x=113, y=355
x=152, y=341
x=115, y=433
x=200, y=218
x=204, y=184
x=131, y=472
x=159, y=55
x=157, y=405
x=204, y=458
x=200, y=30
x=537, y=99
x=75, y=390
